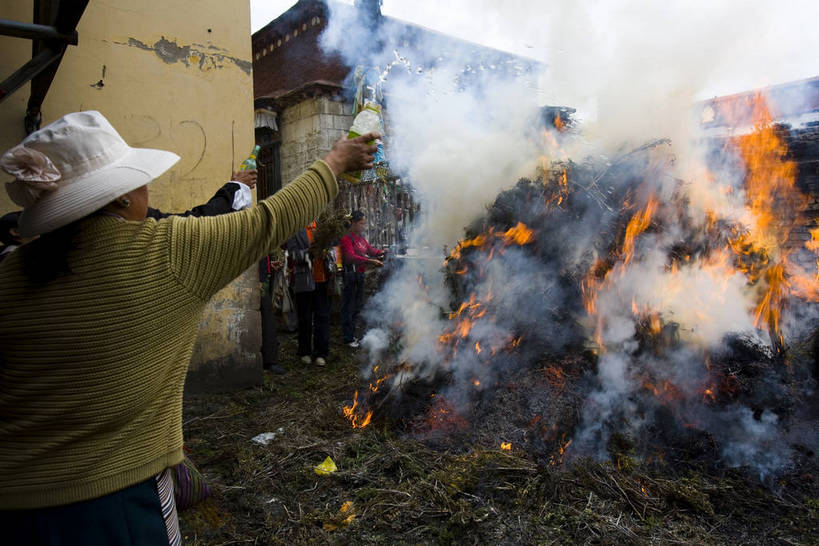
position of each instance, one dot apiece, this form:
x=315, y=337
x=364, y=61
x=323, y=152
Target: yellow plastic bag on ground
x=326, y=467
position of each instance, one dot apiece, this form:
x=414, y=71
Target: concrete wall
x=170, y=74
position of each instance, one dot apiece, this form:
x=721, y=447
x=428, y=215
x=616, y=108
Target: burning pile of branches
x=616, y=307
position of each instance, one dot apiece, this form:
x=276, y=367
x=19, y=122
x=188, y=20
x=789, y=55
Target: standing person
x=356, y=254
x=92, y=363
x=312, y=299
x=300, y=267
x=321, y=300
x=269, y=268
x=234, y=195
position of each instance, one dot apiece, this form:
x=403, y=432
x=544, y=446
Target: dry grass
x=404, y=491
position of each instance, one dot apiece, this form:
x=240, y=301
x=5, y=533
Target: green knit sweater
x=92, y=364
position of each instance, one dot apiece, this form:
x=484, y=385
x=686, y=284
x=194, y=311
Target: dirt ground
x=391, y=488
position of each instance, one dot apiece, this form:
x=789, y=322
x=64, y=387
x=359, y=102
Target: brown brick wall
x=289, y=55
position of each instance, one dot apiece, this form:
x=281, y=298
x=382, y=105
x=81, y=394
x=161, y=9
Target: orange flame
x=375, y=386
x=770, y=307
x=591, y=283
x=557, y=458
x=464, y=327
x=564, y=187
x=655, y=324
x=478, y=241
x=770, y=179
x=774, y=204
x=519, y=235
x=709, y=394
x=813, y=244
x=597, y=276
x=637, y=225
x=355, y=417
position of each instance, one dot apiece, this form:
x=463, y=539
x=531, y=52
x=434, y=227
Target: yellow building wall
x=169, y=74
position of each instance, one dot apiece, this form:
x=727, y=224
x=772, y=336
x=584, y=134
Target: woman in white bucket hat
x=92, y=362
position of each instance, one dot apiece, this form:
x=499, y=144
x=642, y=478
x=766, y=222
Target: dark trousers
x=270, y=344
x=132, y=516
x=352, y=300
x=313, y=310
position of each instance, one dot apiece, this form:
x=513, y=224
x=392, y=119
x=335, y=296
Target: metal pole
x=35, y=32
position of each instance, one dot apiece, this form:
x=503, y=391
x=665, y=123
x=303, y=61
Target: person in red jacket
x=356, y=254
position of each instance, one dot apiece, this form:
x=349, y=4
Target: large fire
x=658, y=282
x=759, y=244
x=774, y=206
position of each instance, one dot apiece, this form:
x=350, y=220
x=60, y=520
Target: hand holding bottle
x=247, y=178
x=249, y=164
x=352, y=154
x=367, y=121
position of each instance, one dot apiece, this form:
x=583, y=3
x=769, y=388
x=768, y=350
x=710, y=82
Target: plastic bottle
x=368, y=120
x=250, y=163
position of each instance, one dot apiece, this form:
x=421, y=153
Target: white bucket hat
x=73, y=167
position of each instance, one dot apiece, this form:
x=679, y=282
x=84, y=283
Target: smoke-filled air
x=629, y=257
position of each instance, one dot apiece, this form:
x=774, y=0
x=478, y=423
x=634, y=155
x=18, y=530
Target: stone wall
x=308, y=130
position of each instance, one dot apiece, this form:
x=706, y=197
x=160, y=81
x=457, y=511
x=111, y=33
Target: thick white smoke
x=460, y=129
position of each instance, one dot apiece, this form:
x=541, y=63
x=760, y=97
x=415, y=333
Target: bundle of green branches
x=331, y=225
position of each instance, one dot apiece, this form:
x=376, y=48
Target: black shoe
x=274, y=369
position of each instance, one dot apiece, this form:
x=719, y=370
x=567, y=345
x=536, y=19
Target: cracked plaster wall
x=175, y=75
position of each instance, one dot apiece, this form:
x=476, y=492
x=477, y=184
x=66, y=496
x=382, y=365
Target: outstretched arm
x=222, y=202
x=207, y=253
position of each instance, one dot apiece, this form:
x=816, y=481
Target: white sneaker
x=320, y=362
x=353, y=344
x=306, y=360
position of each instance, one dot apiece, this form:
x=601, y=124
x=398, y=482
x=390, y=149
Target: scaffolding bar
x=35, y=32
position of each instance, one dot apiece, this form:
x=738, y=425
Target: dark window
x=268, y=163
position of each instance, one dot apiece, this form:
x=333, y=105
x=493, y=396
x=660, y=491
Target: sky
x=759, y=42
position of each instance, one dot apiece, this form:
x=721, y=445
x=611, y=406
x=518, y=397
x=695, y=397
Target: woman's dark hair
x=356, y=216
x=47, y=258
x=7, y=223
